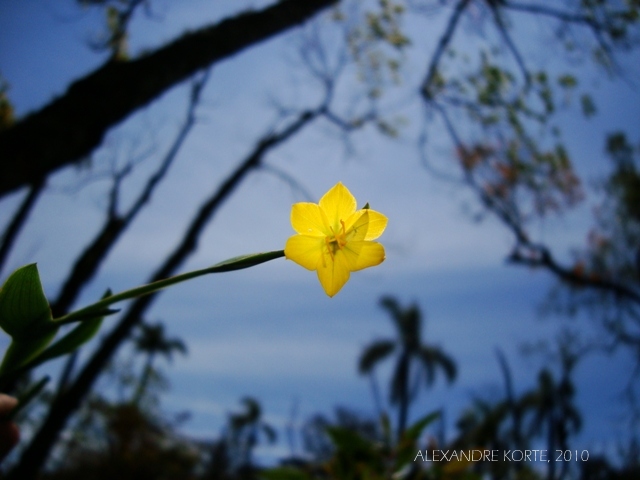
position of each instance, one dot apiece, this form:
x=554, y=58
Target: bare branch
x=542, y=257
x=445, y=39
x=596, y=27
x=17, y=222
x=553, y=12
x=511, y=45
x=96, y=252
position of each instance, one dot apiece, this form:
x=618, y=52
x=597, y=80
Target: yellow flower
x=334, y=238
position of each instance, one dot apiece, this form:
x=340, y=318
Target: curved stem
x=236, y=263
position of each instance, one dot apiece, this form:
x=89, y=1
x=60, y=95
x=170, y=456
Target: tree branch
x=18, y=221
x=90, y=260
x=502, y=28
x=544, y=258
x=445, y=39
x=567, y=17
x=71, y=126
x=553, y=12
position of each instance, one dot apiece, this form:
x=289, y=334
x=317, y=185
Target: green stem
x=100, y=308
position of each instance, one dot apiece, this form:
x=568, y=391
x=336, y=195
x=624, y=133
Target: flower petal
x=307, y=219
x=304, y=250
x=377, y=225
x=365, y=225
x=363, y=254
x=338, y=203
x=333, y=273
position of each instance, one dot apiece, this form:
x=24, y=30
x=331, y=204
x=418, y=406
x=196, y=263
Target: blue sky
x=271, y=332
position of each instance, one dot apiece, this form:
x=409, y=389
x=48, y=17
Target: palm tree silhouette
x=554, y=411
x=152, y=340
x=415, y=360
x=245, y=431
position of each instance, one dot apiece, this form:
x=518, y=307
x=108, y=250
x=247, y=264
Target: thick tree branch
x=71, y=126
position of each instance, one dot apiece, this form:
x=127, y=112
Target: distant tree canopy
x=480, y=85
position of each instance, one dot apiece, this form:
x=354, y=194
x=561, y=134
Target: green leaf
x=407, y=446
x=23, y=350
x=80, y=335
x=24, y=309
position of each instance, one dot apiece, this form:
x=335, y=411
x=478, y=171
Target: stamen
x=329, y=248
x=343, y=240
x=336, y=240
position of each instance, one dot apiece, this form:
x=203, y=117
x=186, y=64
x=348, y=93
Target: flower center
x=337, y=241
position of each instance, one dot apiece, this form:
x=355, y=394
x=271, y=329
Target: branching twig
x=543, y=258
x=511, y=46
x=96, y=252
x=445, y=39
x=596, y=27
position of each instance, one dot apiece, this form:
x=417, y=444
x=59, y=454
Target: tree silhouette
x=416, y=361
x=151, y=340
x=245, y=431
x=554, y=411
